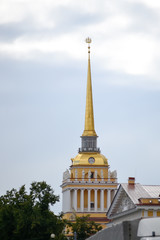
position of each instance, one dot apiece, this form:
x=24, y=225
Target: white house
x=134, y=201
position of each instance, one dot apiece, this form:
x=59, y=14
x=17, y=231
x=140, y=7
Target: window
x=158, y=213
x=92, y=174
x=92, y=204
x=150, y=213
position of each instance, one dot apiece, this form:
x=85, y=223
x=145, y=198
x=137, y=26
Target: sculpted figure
x=113, y=174
x=83, y=174
x=66, y=174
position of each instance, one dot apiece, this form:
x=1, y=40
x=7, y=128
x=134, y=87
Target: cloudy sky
x=43, y=72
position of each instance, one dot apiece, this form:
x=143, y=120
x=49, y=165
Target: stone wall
x=124, y=231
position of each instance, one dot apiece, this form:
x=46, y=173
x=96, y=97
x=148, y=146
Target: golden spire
x=89, y=116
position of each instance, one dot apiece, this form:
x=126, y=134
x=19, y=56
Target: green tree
x=83, y=227
x=28, y=216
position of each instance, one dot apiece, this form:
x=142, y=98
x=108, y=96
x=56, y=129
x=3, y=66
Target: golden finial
x=88, y=40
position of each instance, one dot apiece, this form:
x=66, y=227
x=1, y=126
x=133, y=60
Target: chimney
x=131, y=181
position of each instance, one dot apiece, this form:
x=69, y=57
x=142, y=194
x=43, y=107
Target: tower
x=88, y=187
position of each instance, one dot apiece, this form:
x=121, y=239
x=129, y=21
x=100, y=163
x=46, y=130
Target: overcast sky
x=43, y=73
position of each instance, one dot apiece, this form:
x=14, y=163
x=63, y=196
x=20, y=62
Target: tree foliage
x=28, y=216
x=83, y=227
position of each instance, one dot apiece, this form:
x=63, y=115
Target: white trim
x=88, y=187
x=147, y=207
x=88, y=166
x=117, y=215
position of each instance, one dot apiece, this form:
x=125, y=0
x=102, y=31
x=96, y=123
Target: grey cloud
x=65, y=19
x=69, y=19
x=11, y=31
x=145, y=19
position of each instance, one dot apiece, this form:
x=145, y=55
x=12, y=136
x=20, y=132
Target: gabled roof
x=135, y=192
x=152, y=190
x=128, y=197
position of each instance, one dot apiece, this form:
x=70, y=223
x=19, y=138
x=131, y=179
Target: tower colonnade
x=88, y=199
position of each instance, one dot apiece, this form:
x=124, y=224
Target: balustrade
x=91, y=180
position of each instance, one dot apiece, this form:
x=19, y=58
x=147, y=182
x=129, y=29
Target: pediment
x=121, y=203
x=125, y=203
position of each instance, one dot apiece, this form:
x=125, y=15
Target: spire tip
x=88, y=40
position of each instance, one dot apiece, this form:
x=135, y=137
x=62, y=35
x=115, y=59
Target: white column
x=75, y=199
x=66, y=201
x=95, y=200
x=89, y=199
x=69, y=200
x=108, y=198
x=102, y=200
x=82, y=200
x=154, y=213
x=145, y=213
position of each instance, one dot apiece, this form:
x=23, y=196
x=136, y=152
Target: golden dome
x=90, y=158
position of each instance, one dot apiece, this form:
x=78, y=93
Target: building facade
x=134, y=201
x=89, y=186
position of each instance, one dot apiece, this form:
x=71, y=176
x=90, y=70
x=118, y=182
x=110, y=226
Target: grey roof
x=141, y=191
x=153, y=190
x=135, y=192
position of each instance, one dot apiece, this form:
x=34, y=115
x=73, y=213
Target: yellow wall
x=85, y=199
x=105, y=198
x=78, y=199
x=158, y=213
x=98, y=198
x=149, y=200
x=92, y=195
